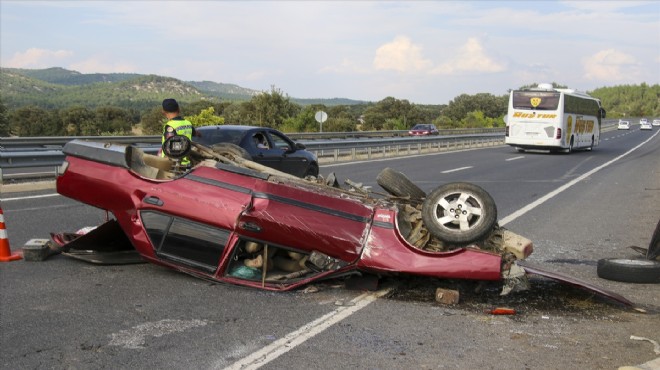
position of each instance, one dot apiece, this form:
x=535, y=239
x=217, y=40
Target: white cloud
x=38, y=58
x=610, y=65
x=470, y=58
x=400, y=55
x=346, y=66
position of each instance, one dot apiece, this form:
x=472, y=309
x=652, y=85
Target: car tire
x=397, y=184
x=232, y=150
x=641, y=271
x=312, y=170
x=459, y=212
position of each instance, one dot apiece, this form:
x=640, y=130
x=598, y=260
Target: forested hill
x=56, y=88
x=630, y=100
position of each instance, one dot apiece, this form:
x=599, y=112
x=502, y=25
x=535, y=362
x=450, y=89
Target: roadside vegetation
x=58, y=102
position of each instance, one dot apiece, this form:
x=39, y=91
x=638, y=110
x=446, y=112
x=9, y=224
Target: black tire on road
x=397, y=184
x=459, y=212
x=231, y=149
x=641, y=271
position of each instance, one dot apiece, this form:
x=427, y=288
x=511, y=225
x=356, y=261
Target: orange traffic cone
x=5, y=251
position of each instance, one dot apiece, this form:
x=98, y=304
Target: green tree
x=271, y=109
x=4, y=119
x=339, y=124
x=152, y=121
x=114, y=120
x=390, y=108
x=206, y=117
x=78, y=120
x=492, y=106
x=34, y=121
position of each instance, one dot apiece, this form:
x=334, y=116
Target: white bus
x=553, y=119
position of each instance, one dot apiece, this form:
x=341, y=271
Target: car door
x=290, y=160
x=263, y=149
x=189, y=220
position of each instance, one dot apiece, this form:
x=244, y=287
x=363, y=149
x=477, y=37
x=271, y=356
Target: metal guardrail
x=46, y=152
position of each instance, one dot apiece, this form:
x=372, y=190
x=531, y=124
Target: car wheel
x=397, y=184
x=640, y=271
x=312, y=170
x=231, y=150
x=459, y=212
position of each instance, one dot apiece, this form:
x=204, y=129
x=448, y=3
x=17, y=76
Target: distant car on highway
x=656, y=122
x=644, y=124
x=263, y=145
x=623, y=125
x=423, y=130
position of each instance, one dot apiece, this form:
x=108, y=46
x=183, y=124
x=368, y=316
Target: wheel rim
x=459, y=211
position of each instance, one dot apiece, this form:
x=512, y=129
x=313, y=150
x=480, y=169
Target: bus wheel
x=570, y=147
x=591, y=147
x=520, y=150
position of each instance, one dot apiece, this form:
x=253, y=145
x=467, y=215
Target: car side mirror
x=300, y=146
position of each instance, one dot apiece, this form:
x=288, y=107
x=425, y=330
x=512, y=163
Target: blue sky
x=427, y=52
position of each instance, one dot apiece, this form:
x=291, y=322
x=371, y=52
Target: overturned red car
x=231, y=220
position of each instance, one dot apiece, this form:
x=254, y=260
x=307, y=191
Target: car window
x=279, y=142
x=184, y=241
x=260, y=141
x=215, y=136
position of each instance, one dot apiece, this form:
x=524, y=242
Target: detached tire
x=232, y=150
x=459, y=212
x=625, y=270
x=398, y=184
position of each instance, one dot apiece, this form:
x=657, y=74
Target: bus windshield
x=536, y=100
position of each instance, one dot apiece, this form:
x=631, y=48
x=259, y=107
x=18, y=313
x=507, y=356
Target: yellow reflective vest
x=177, y=126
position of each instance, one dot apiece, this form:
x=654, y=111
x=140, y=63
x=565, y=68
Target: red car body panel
x=228, y=207
x=388, y=251
x=299, y=216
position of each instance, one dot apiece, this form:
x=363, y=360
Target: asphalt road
x=577, y=208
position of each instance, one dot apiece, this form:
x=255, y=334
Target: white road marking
x=31, y=197
x=307, y=331
x=514, y=158
x=554, y=193
x=457, y=169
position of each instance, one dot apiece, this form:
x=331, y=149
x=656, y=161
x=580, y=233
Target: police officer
x=175, y=124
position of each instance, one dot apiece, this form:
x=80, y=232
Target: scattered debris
x=446, y=296
x=502, y=311
x=656, y=346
